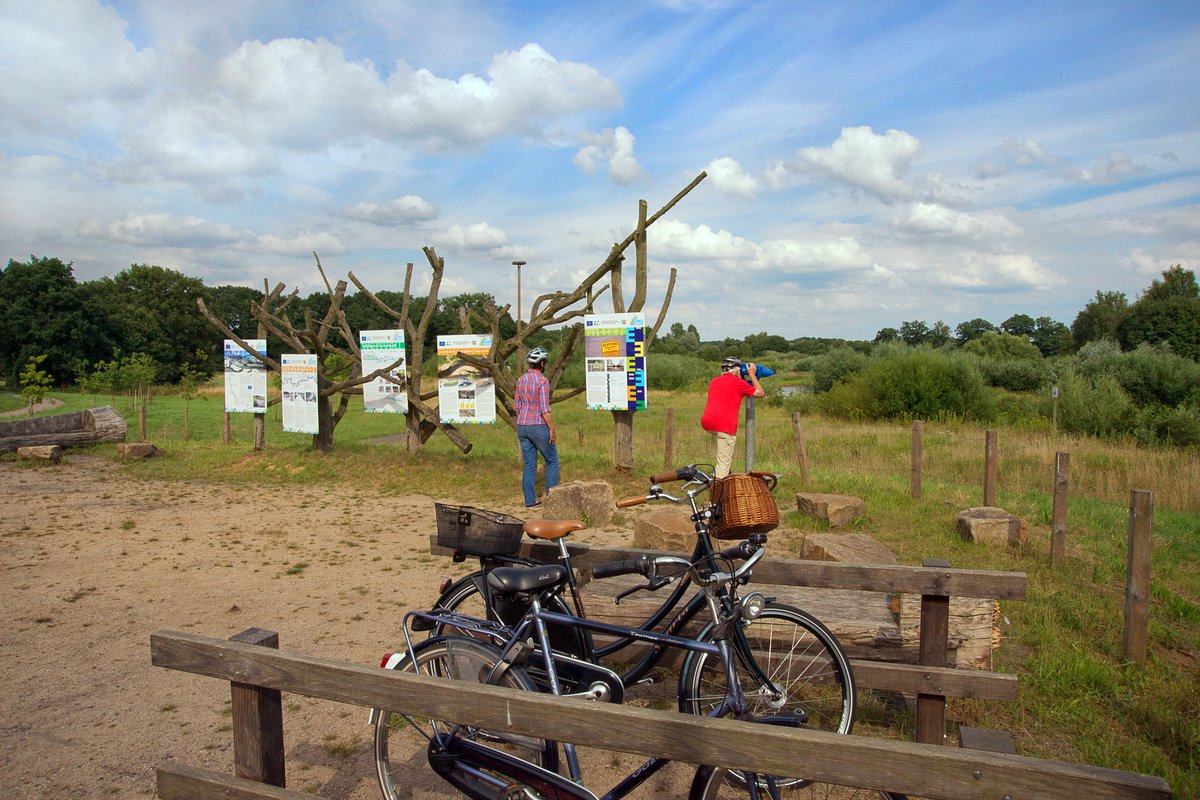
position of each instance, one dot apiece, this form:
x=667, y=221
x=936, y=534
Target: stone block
x=137, y=450
x=669, y=529
x=847, y=548
x=590, y=501
x=836, y=509
x=990, y=525
x=45, y=452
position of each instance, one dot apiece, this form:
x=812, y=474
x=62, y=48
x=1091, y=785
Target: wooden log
x=45, y=452
x=77, y=429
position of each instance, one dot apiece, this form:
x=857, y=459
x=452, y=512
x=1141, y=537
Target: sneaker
x=535, y=505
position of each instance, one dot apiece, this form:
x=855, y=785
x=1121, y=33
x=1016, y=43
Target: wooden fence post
x=801, y=448
x=257, y=721
x=935, y=631
x=669, y=440
x=914, y=478
x=1058, y=519
x=1137, y=575
x=991, y=462
x=227, y=430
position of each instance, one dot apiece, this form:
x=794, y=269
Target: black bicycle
x=787, y=658
x=498, y=765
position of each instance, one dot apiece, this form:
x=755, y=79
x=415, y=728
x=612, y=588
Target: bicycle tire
x=400, y=751
x=715, y=783
x=799, y=655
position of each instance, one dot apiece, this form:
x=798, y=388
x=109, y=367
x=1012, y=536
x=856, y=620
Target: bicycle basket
x=477, y=532
x=746, y=505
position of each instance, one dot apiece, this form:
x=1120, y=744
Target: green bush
x=1096, y=406
x=1178, y=426
x=913, y=384
x=672, y=372
x=1016, y=375
x=835, y=367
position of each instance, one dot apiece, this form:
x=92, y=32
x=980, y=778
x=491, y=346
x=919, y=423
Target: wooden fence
x=258, y=674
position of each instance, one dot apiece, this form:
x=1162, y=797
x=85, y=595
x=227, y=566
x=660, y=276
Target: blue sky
x=868, y=163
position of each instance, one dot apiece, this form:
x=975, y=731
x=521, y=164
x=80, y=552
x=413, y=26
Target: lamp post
x=518, y=265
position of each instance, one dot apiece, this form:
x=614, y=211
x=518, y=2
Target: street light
x=518, y=265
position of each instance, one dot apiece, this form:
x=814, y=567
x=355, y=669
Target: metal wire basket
x=476, y=531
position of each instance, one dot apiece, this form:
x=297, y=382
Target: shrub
x=1096, y=406
x=1016, y=375
x=913, y=384
x=671, y=372
x=835, y=367
x=1178, y=426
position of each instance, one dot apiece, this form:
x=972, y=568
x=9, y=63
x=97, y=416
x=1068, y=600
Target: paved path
x=45, y=405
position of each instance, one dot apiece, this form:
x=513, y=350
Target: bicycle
x=491, y=765
x=787, y=656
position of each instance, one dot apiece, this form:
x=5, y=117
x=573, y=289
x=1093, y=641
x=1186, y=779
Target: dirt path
x=93, y=561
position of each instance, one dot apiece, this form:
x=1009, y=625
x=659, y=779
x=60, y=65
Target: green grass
x=1078, y=701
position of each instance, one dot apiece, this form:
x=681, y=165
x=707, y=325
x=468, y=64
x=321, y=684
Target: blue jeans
x=535, y=439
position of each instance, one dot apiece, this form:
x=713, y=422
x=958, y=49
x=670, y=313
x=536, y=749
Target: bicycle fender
x=391, y=662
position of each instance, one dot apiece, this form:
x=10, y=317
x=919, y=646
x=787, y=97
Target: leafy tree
x=1002, y=346
x=34, y=382
x=42, y=312
x=1051, y=338
x=914, y=333
x=152, y=310
x=1168, y=313
x=1099, y=318
x=939, y=334
x=972, y=329
x=886, y=335
x=1019, y=325
x=765, y=342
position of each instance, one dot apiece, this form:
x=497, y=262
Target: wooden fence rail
x=915, y=769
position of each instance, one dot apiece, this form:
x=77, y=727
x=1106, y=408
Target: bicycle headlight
x=753, y=605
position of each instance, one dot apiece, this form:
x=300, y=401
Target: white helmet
x=537, y=355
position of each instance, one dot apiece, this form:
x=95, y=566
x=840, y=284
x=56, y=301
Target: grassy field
x=1077, y=701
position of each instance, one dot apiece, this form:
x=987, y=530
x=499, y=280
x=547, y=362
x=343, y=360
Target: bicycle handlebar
x=626, y=502
x=643, y=564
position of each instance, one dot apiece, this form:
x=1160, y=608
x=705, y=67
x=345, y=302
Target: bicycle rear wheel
x=401, y=740
x=713, y=783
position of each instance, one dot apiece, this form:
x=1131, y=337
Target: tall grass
x=1077, y=700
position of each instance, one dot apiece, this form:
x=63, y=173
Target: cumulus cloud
x=859, y=158
x=1024, y=152
x=164, y=230
x=1116, y=167
x=478, y=236
x=997, y=272
x=400, y=211
x=938, y=220
x=674, y=239
x=302, y=245
x=611, y=147
x=727, y=175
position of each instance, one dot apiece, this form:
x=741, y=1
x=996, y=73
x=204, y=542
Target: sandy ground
x=93, y=561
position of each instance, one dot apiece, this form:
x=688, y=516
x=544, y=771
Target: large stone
x=848, y=548
x=45, y=452
x=590, y=501
x=836, y=509
x=990, y=525
x=669, y=529
x=136, y=450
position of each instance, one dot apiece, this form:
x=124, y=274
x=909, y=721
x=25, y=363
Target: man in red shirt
x=721, y=412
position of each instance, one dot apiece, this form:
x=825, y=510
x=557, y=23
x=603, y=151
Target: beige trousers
x=725, y=447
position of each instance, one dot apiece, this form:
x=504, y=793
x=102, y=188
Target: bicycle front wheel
x=713, y=783
x=401, y=740
x=809, y=673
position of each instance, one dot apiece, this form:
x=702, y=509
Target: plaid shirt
x=532, y=398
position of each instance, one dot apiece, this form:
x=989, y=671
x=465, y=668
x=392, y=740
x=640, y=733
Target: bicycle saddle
x=507, y=580
x=552, y=528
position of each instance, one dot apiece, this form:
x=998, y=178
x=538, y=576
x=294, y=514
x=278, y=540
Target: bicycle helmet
x=537, y=355
x=731, y=363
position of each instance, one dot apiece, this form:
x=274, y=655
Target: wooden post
x=142, y=421
x=801, y=448
x=1058, y=518
x=669, y=440
x=991, y=462
x=623, y=442
x=914, y=478
x=1054, y=413
x=226, y=431
x=1137, y=575
x=257, y=722
x=260, y=420
x=935, y=627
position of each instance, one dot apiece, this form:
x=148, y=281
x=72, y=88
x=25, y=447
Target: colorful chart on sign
x=381, y=349
x=614, y=350
x=245, y=378
x=298, y=384
x=466, y=393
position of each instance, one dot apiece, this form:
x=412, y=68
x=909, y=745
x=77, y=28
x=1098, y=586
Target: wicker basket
x=746, y=505
x=477, y=532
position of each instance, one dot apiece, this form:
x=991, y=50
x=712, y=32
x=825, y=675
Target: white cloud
x=163, y=230
x=302, y=245
x=997, y=271
x=938, y=220
x=614, y=147
x=1024, y=152
x=676, y=240
x=1116, y=167
x=479, y=236
x=729, y=178
x=400, y=211
x=859, y=158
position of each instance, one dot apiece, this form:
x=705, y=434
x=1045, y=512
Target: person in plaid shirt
x=535, y=428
